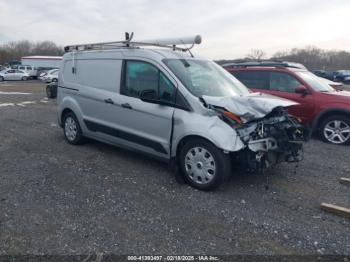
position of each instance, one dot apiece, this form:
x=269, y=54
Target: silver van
x=174, y=106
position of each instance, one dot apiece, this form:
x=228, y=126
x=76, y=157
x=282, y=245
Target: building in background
x=45, y=62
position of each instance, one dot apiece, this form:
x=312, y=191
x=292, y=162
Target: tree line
x=312, y=57
x=16, y=49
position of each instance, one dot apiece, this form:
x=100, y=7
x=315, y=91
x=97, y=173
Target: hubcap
x=70, y=128
x=200, y=165
x=337, y=132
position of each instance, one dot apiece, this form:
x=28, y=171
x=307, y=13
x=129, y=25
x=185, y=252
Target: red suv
x=320, y=106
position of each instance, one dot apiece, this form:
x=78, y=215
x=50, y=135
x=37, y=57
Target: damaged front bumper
x=277, y=137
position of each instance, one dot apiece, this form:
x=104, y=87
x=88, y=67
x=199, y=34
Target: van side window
x=140, y=76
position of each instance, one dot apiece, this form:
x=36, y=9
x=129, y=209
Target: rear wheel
x=203, y=165
x=336, y=130
x=71, y=129
x=49, y=92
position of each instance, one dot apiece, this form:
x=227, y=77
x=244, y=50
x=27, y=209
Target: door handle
x=109, y=101
x=126, y=105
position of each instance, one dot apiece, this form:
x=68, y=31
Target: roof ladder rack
x=171, y=43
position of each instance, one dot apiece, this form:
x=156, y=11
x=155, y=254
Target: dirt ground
x=56, y=198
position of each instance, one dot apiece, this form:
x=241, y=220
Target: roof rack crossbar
x=128, y=43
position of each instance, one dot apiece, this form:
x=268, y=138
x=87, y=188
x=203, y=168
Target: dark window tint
x=140, y=76
x=283, y=82
x=29, y=68
x=253, y=79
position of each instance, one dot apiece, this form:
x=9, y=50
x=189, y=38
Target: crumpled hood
x=249, y=107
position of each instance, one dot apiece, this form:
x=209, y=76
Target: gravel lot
x=57, y=198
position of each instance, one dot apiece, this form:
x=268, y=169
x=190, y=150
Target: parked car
x=13, y=74
x=31, y=70
x=330, y=75
x=50, y=76
x=346, y=80
x=168, y=104
x=340, y=75
x=320, y=106
x=41, y=71
x=51, y=90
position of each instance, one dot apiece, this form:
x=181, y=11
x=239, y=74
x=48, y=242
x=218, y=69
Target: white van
x=31, y=70
x=174, y=106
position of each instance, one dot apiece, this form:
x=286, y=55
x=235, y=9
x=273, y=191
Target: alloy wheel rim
x=70, y=128
x=337, y=131
x=200, y=165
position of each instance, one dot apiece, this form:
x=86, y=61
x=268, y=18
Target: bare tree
x=16, y=50
x=315, y=58
x=256, y=54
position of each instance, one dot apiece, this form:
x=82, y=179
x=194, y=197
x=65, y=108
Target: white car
x=50, y=76
x=13, y=74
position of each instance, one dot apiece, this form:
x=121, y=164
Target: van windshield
x=205, y=78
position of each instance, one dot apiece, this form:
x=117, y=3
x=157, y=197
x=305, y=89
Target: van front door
x=147, y=125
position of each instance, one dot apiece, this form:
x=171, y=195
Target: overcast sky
x=229, y=28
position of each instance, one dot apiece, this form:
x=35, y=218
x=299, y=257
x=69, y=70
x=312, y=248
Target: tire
x=49, y=92
x=1, y=79
x=24, y=78
x=54, y=80
x=197, y=154
x=72, y=130
x=336, y=130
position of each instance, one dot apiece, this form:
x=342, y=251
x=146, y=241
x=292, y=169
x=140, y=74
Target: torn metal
x=269, y=133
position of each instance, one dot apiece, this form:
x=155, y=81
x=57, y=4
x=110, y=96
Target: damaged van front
x=252, y=127
x=269, y=134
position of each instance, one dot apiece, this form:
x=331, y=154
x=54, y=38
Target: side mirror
x=301, y=90
x=149, y=96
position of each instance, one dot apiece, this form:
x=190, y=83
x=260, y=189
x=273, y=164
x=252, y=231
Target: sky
x=229, y=28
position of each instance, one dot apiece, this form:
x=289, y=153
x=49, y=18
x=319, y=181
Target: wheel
x=336, y=130
x=71, y=129
x=24, y=78
x=203, y=165
x=1, y=79
x=49, y=92
x=54, y=80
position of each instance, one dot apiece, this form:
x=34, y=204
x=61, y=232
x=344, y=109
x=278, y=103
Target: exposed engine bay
x=277, y=137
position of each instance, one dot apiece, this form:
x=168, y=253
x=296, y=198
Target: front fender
x=328, y=111
x=209, y=127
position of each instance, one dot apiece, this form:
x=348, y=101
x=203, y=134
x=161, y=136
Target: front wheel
x=1, y=79
x=24, y=78
x=203, y=165
x=336, y=130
